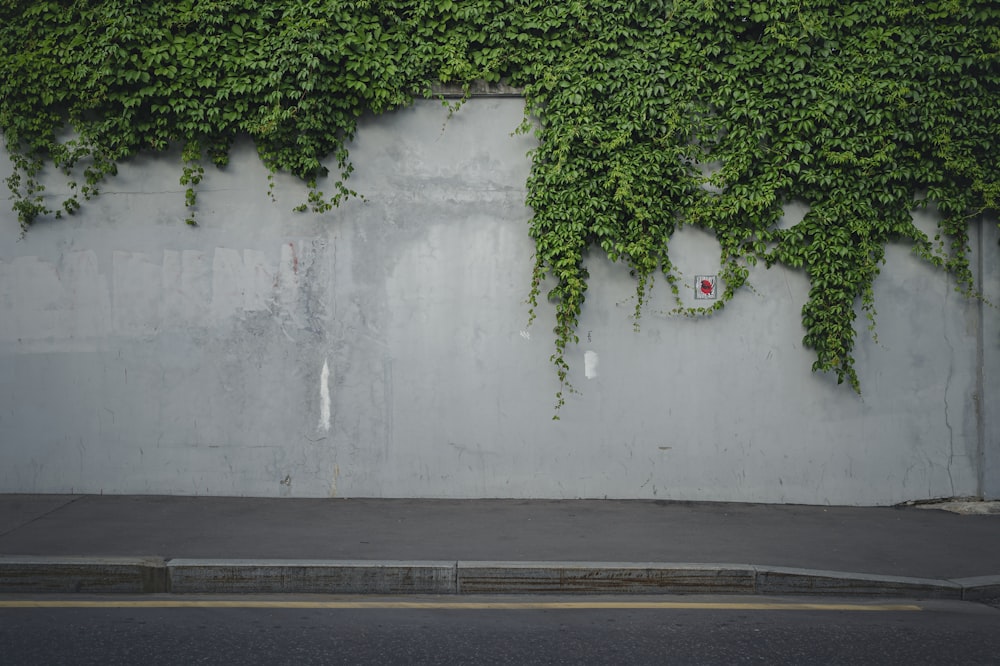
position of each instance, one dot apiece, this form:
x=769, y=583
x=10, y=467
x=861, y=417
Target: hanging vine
x=649, y=116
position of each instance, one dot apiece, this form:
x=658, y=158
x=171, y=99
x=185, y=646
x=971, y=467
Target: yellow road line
x=459, y=605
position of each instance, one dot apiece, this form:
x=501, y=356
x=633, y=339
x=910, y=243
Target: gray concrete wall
x=382, y=350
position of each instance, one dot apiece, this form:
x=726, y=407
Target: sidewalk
x=93, y=543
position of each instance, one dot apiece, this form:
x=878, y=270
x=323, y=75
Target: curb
x=603, y=578
x=95, y=575
x=187, y=576
x=145, y=575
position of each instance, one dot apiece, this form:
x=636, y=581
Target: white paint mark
x=324, y=397
x=526, y=335
x=590, y=362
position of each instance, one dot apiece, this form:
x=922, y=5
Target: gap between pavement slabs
x=100, y=544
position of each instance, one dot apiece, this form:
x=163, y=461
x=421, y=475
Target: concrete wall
x=382, y=350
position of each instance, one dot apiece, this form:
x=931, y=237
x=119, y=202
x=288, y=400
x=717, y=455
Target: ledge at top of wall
x=477, y=88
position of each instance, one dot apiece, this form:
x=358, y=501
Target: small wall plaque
x=704, y=287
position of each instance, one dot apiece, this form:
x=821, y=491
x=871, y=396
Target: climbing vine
x=649, y=116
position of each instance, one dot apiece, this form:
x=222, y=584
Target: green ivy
x=649, y=116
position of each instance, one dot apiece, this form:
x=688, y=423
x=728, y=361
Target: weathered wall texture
x=382, y=350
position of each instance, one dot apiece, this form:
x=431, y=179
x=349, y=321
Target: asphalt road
x=498, y=630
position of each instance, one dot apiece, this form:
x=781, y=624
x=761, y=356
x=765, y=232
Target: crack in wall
x=947, y=409
x=980, y=362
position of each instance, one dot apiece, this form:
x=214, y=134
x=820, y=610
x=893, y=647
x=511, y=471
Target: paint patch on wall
x=324, y=397
x=590, y=363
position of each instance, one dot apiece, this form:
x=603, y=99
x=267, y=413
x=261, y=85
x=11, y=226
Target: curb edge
x=147, y=575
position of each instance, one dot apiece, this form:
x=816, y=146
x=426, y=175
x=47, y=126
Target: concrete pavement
x=91, y=543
